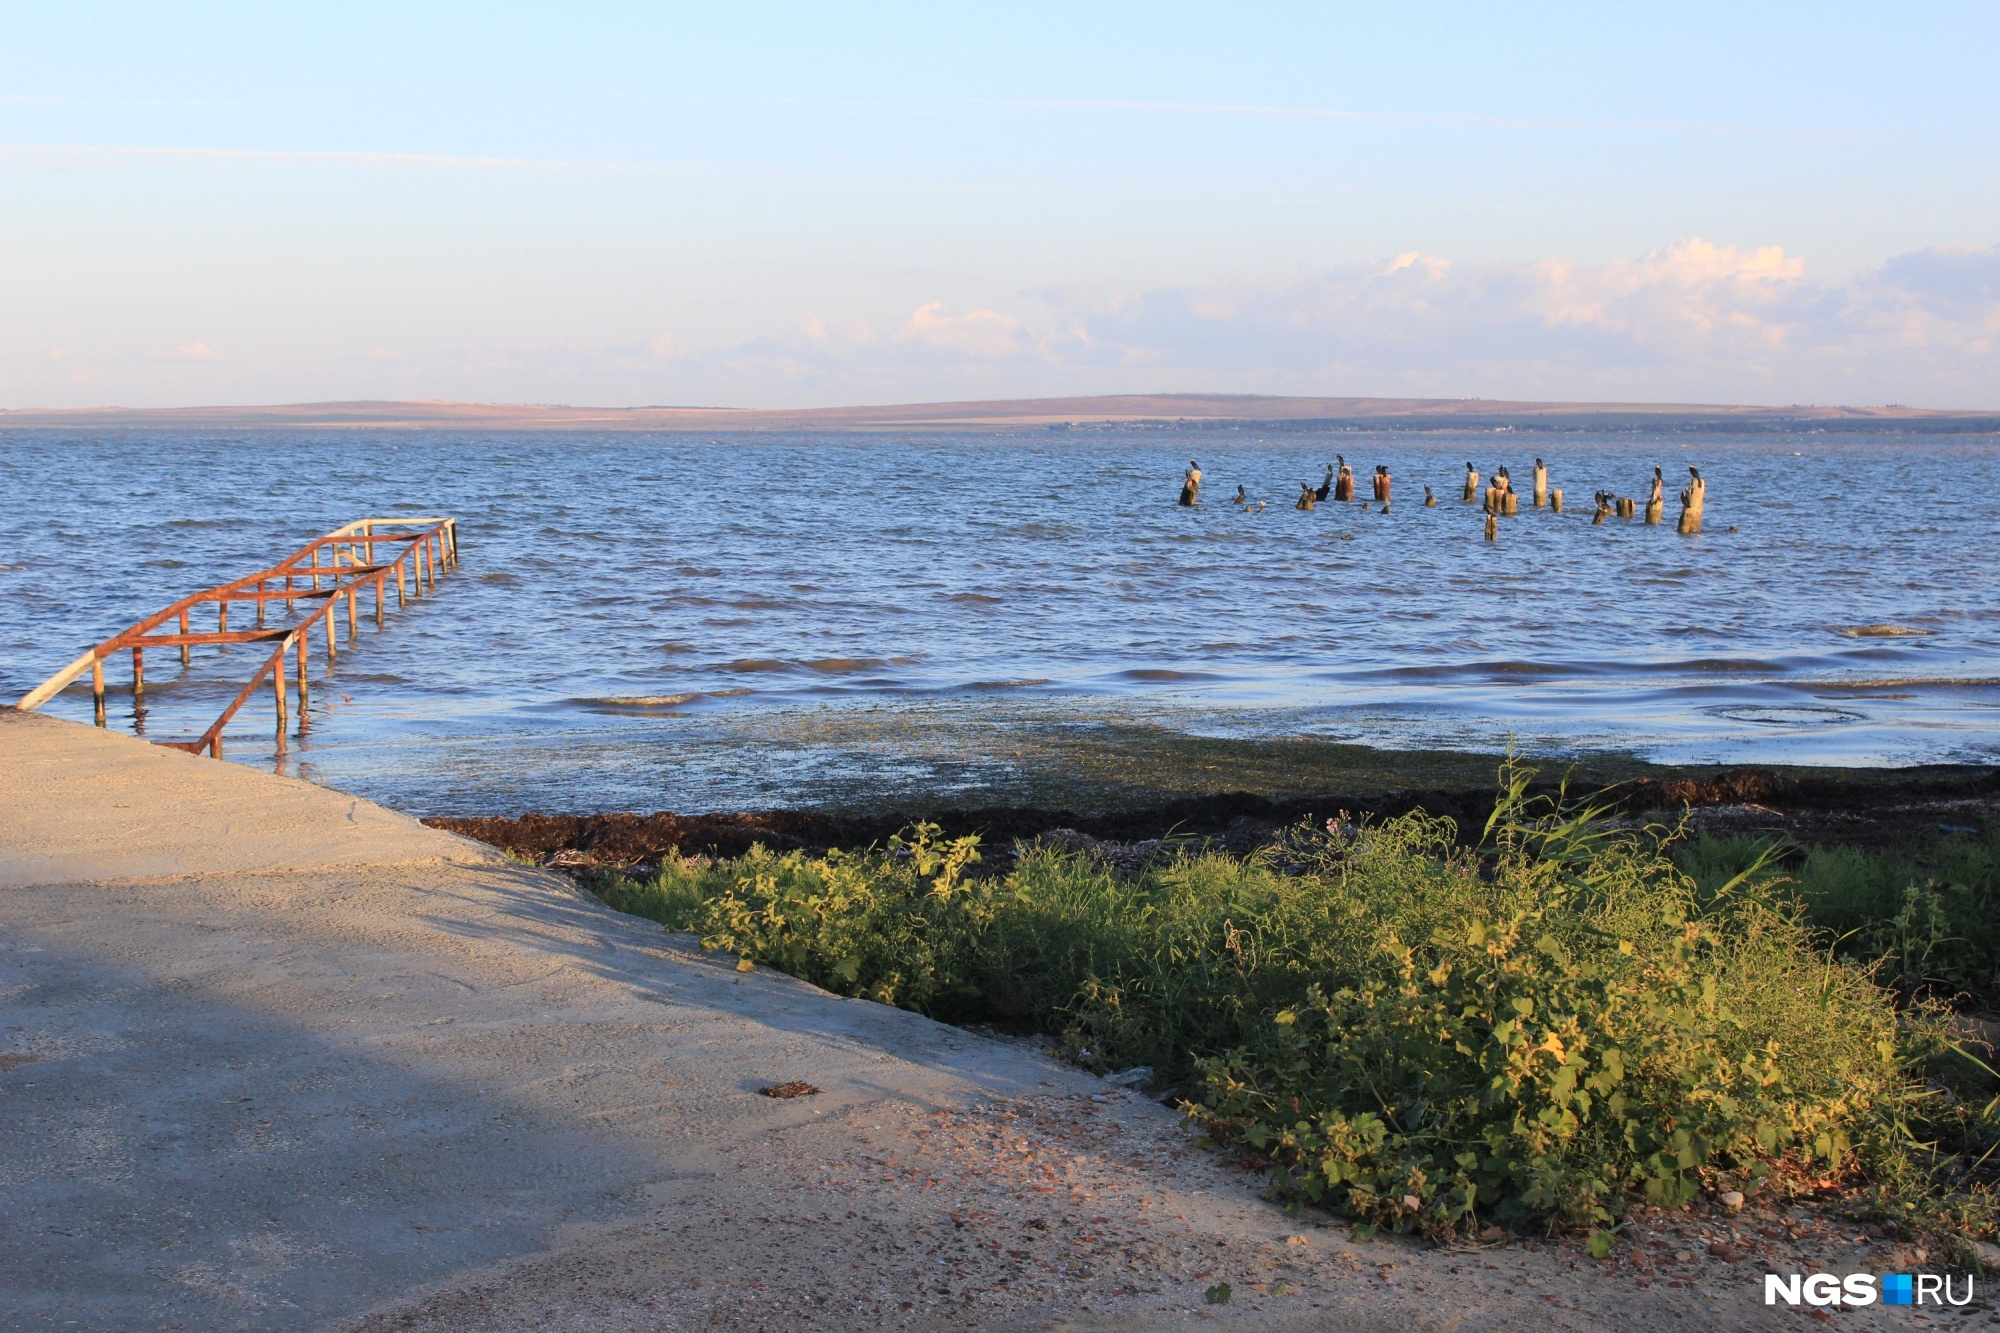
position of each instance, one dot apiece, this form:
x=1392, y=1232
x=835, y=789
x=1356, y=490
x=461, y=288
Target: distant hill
x=1213, y=410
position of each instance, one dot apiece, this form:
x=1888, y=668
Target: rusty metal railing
x=354, y=565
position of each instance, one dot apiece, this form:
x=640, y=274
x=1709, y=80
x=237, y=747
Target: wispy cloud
x=17, y=99
x=1689, y=321
x=96, y=154
x=1237, y=109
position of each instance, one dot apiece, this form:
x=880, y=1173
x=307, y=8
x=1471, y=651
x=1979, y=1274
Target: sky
x=767, y=205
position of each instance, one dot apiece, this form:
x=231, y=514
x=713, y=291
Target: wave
x=651, y=703
x=1161, y=673
x=825, y=666
x=1788, y=715
x=1883, y=631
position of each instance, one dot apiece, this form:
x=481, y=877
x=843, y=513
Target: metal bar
x=91, y=661
x=232, y=636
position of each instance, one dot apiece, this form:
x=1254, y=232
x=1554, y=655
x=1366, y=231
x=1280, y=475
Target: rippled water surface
x=699, y=623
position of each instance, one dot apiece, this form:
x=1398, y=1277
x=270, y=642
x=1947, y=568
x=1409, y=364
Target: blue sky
x=768, y=205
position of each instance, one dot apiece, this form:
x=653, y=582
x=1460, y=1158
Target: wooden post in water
x=222, y=617
x=278, y=691
x=260, y=603
x=1511, y=501
x=401, y=598
x=1430, y=501
x=1471, y=483
x=378, y=600
x=1692, y=496
x=97, y=687
x=1541, y=484
x=1556, y=500
x=332, y=648
x=1625, y=506
x=184, y=630
x=353, y=617
x=138, y=672
x=304, y=685
x=1492, y=526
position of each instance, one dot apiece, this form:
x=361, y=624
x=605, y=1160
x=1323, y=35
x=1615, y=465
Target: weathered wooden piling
x=1471, y=483
x=305, y=686
x=1556, y=500
x=1625, y=506
x=1692, y=497
x=1430, y=501
x=1492, y=527
x=1307, y=497
x=278, y=693
x=1541, y=484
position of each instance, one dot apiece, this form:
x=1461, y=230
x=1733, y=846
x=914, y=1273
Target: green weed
x=1423, y=1037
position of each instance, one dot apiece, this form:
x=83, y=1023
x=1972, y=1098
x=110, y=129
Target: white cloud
x=196, y=351
x=983, y=333
x=1694, y=321
x=1691, y=319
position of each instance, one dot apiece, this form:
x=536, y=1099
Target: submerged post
x=278, y=692
x=304, y=685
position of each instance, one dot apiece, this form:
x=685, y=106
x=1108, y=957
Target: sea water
x=702, y=622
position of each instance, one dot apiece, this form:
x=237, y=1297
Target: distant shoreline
x=1150, y=411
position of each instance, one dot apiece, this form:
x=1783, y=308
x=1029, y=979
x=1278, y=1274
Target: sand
x=274, y=1058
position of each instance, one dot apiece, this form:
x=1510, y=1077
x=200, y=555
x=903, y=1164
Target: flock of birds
x=1497, y=499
